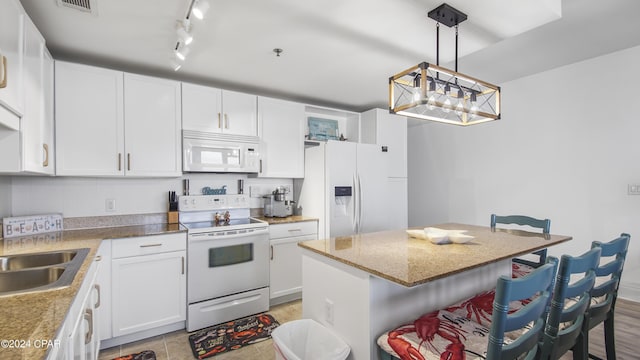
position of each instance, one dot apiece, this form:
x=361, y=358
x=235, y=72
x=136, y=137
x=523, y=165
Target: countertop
x=285, y=220
x=39, y=315
x=395, y=256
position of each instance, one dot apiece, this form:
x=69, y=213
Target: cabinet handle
x=183, y=265
x=219, y=120
x=271, y=252
x=226, y=121
x=97, y=287
x=88, y=315
x=45, y=147
x=292, y=230
x=119, y=161
x=4, y=70
x=128, y=161
x=260, y=166
x=150, y=245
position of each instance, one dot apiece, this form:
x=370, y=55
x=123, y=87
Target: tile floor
x=175, y=345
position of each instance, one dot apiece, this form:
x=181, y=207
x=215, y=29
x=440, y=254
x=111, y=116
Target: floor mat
x=231, y=335
x=144, y=355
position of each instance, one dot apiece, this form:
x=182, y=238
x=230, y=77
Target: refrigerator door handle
x=354, y=217
x=359, y=204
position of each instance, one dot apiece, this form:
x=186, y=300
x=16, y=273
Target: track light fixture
x=184, y=31
x=425, y=91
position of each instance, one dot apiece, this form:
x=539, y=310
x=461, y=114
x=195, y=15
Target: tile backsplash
x=80, y=197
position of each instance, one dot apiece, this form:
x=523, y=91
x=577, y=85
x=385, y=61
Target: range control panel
x=212, y=202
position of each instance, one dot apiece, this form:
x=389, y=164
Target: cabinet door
x=32, y=126
x=89, y=120
x=286, y=266
x=152, y=126
x=281, y=126
x=48, y=149
x=201, y=108
x=392, y=132
x=380, y=127
x=148, y=291
x=103, y=285
x=11, y=45
x=239, y=113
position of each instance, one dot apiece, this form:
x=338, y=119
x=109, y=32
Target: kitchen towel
x=231, y=335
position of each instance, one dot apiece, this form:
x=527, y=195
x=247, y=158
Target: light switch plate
x=633, y=189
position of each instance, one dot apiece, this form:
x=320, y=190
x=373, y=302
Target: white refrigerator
x=346, y=186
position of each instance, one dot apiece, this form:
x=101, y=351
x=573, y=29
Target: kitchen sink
x=39, y=271
x=25, y=261
x=29, y=279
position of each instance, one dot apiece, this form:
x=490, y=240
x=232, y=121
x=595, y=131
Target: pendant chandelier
x=431, y=92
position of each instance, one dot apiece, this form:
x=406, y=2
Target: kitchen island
x=362, y=285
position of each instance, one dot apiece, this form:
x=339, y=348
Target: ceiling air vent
x=88, y=6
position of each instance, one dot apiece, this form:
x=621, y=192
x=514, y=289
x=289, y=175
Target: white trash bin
x=307, y=340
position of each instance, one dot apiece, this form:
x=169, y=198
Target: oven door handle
x=208, y=237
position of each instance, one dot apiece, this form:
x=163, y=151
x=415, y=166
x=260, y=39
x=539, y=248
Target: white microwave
x=211, y=152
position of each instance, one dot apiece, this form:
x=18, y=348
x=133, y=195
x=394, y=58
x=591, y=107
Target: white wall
x=566, y=149
x=5, y=196
x=79, y=197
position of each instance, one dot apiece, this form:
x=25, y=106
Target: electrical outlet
x=328, y=311
x=110, y=205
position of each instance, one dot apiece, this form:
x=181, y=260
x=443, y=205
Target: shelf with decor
x=322, y=124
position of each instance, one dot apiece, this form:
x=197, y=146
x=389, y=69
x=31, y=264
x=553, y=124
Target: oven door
x=227, y=262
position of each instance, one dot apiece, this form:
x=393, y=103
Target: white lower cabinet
x=285, y=281
x=78, y=336
x=149, y=283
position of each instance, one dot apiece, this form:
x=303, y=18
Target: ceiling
x=337, y=53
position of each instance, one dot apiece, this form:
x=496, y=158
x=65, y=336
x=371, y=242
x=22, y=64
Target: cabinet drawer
x=146, y=245
x=293, y=229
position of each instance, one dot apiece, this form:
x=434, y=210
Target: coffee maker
x=275, y=204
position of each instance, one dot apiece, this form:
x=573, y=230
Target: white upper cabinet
x=30, y=150
x=152, y=126
x=37, y=121
x=11, y=52
x=380, y=127
x=89, y=120
x=113, y=124
x=218, y=111
x=281, y=125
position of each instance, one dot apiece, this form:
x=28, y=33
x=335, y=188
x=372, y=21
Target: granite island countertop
x=39, y=315
x=395, y=256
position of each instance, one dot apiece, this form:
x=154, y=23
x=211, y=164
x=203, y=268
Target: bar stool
x=569, y=303
x=603, y=296
x=442, y=334
x=522, y=266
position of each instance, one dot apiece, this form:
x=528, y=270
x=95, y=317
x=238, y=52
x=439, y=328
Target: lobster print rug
x=231, y=335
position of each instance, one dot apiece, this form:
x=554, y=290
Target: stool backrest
x=537, y=286
x=611, y=271
x=523, y=220
x=569, y=303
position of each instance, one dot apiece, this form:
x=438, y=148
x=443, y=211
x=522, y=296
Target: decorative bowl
x=460, y=238
x=436, y=236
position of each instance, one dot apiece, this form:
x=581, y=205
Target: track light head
x=200, y=9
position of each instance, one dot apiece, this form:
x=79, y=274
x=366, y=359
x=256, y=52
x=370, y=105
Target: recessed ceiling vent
x=88, y=6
